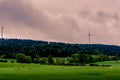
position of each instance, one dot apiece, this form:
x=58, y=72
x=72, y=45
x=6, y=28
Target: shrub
x=94, y=65
x=12, y=61
x=60, y=61
x=3, y=60
x=107, y=65
x=70, y=60
x=43, y=60
x=36, y=60
x=22, y=58
x=28, y=59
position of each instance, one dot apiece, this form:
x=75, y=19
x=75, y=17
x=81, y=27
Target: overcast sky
x=62, y=20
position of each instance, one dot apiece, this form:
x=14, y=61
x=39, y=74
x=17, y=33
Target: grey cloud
x=85, y=14
x=103, y=17
x=99, y=16
x=19, y=12
x=27, y=21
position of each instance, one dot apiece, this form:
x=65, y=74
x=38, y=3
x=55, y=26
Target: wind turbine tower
x=89, y=37
x=2, y=28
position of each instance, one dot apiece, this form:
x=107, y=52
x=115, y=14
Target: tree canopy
x=10, y=47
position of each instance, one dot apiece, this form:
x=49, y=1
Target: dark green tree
x=75, y=58
x=82, y=59
x=37, y=59
x=50, y=59
x=58, y=61
x=21, y=58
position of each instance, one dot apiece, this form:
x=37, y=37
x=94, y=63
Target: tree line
x=75, y=59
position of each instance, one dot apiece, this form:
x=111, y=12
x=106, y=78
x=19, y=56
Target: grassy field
x=16, y=71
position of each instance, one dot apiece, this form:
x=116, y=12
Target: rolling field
x=16, y=71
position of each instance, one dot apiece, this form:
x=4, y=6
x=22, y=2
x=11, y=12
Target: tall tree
x=50, y=59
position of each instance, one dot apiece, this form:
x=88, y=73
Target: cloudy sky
x=62, y=20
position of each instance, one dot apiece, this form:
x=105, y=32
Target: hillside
x=10, y=47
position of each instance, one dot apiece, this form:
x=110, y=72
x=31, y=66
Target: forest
x=10, y=47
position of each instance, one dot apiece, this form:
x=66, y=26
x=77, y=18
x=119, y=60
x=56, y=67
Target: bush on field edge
x=100, y=65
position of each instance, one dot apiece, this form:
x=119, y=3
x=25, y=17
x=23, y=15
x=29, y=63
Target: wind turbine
x=89, y=37
x=2, y=29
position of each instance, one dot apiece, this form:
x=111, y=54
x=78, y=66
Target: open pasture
x=17, y=71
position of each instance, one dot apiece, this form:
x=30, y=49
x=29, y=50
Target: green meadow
x=17, y=71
